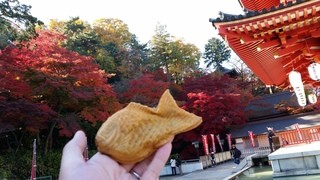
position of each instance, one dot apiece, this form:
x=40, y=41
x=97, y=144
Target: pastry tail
x=169, y=109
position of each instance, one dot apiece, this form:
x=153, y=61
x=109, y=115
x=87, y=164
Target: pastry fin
x=167, y=103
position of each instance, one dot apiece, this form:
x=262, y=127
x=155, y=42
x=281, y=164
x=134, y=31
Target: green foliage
x=216, y=53
x=81, y=38
x=49, y=87
x=16, y=22
x=112, y=30
x=176, y=58
x=160, y=50
x=185, y=60
x=135, y=59
x=17, y=165
x=109, y=42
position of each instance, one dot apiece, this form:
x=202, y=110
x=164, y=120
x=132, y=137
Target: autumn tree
x=108, y=41
x=220, y=103
x=218, y=100
x=16, y=22
x=216, y=52
x=121, y=52
x=175, y=57
x=62, y=82
x=112, y=30
x=145, y=89
x=185, y=60
x=135, y=59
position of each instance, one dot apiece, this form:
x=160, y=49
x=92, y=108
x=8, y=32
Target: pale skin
x=99, y=166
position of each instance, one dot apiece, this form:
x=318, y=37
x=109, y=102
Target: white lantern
x=297, y=85
x=295, y=78
x=312, y=98
x=301, y=96
x=314, y=71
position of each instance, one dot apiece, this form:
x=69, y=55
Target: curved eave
x=261, y=63
x=259, y=4
x=285, y=32
x=253, y=13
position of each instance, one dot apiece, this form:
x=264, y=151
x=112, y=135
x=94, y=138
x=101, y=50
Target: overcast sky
x=186, y=19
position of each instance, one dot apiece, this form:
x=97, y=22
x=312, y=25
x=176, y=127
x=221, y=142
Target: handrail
x=291, y=137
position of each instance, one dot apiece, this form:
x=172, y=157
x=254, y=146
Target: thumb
x=72, y=155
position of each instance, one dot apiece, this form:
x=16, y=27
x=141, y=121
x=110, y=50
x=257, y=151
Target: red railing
x=307, y=135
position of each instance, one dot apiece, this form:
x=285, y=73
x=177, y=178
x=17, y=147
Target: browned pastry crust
x=135, y=132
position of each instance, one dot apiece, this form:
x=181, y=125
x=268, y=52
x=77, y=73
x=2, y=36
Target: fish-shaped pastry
x=135, y=132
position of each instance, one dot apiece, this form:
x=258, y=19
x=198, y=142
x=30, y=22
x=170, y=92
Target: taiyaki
x=136, y=131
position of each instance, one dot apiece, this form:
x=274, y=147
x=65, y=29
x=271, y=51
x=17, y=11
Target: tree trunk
x=49, y=138
x=17, y=140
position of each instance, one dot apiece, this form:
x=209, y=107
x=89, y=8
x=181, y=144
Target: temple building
x=274, y=37
x=279, y=40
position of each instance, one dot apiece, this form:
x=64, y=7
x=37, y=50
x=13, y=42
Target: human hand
x=74, y=166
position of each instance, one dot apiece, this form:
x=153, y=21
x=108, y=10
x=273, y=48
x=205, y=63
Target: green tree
x=216, y=53
x=134, y=59
x=184, y=60
x=160, y=49
x=175, y=57
x=81, y=37
x=112, y=31
x=114, y=55
x=16, y=22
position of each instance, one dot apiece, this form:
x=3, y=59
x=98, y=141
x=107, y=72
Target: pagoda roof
x=273, y=42
x=258, y=4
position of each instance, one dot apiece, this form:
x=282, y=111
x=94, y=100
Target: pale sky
x=185, y=19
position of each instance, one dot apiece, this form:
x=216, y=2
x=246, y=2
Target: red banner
x=33, y=165
x=205, y=144
x=213, y=143
x=299, y=131
x=251, y=135
x=229, y=140
x=219, y=141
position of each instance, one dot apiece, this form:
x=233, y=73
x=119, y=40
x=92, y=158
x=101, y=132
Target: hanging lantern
x=301, y=96
x=297, y=85
x=314, y=71
x=312, y=98
x=295, y=78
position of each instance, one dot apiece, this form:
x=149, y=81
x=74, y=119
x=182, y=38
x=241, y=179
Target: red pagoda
x=275, y=38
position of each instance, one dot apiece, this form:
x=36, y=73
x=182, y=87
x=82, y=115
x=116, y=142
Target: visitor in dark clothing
x=236, y=154
x=270, y=135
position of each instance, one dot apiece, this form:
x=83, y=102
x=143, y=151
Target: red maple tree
x=218, y=100
x=47, y=79
x=145, y=89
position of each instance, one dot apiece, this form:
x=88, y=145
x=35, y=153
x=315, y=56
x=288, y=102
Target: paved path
x=224, y=170
x=219, y=172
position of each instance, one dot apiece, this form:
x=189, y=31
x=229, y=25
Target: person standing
x=213, y=160
x=173, y=164
x=270, y=135
x=178, y=163
x=236, y=154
